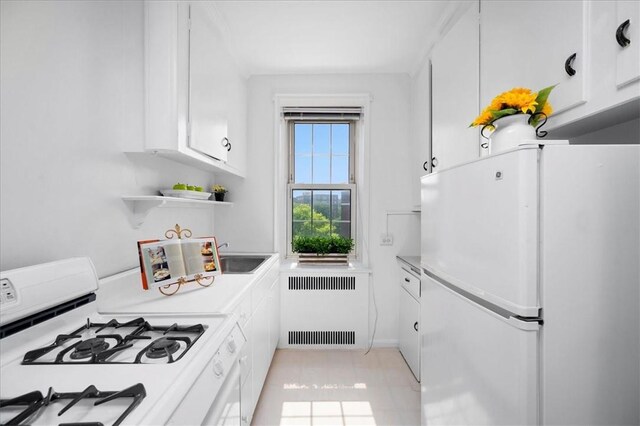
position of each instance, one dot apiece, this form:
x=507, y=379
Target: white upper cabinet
x=208, y=97
x=531, y=43
x=195, y=107
x=534, y=44
x=455, y=85
x=628, y=42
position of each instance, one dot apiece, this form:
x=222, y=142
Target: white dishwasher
x=410, y=316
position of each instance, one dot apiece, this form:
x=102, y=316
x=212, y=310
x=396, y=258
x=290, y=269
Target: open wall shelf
x=141, y=205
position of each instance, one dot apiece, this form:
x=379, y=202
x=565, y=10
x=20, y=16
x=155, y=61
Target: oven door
x=225, y=410
x=207, y=403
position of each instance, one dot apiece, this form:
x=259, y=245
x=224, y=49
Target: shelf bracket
x=140, y=210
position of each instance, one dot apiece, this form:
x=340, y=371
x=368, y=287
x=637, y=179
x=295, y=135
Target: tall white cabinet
x=455, y=85
x=208, y=98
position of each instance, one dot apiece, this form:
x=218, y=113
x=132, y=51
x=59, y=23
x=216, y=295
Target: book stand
x=171, y=289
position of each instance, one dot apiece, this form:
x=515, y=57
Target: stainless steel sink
x=241, y=263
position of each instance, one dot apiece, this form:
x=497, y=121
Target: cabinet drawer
x=410, y=282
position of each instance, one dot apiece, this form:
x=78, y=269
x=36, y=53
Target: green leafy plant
x=219, y=189
x=322, y=244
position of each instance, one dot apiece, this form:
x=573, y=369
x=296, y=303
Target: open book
x=164, y=262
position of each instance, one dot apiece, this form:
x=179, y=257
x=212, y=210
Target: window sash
x=320, y=187
x=292, y=144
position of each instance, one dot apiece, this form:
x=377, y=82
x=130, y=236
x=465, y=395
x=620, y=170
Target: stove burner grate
x=97, y=350
x=35, y=401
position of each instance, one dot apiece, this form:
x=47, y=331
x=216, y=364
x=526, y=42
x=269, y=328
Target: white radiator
x=325, y=310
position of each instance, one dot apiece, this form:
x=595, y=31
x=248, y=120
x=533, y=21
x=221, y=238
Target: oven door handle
x=224, y=397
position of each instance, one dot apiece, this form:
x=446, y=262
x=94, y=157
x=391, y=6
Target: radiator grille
x=322, y=283
x=322, y=337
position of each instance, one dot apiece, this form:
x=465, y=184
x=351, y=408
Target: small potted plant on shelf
x=218, y=192
x=331, y=249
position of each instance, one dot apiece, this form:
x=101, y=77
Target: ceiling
x=304, y=37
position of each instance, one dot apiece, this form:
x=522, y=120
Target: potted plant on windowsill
x=332, y=249
x=218, y=192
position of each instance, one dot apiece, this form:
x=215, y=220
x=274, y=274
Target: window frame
x=351, y=186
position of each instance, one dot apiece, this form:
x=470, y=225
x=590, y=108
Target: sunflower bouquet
x=518, y=100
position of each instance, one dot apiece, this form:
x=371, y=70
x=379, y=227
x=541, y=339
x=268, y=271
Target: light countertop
x=123, y=293
x=413, y=262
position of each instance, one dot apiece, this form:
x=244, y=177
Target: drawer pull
x=407, y=280
x=415, y=326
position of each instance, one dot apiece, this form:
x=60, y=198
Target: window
x=321, y=177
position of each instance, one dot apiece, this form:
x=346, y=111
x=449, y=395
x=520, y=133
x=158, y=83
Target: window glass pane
x=341, y=205
x=321, y=169
x=342, y=228
x=340, y=139
x=301, y=214
x=322, y=228
x=302, y=169
x=321, y=138
x=321, y=205
x=340, y=169
x=302, y=138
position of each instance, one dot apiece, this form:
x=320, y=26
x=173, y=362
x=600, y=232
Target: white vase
x=510, y=132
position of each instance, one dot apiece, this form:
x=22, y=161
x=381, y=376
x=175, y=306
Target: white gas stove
x=61, y=362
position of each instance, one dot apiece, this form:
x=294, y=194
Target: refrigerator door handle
x=522, y=323
x=528, y=324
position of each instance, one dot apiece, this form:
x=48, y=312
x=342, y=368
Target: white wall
x=249, y=226
x=71, y=104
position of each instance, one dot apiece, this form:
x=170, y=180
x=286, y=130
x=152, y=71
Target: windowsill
x=292, y=265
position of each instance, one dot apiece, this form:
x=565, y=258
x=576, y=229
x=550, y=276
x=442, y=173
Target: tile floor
x=338, y=387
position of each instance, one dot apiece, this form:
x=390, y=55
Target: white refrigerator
x=531, y=288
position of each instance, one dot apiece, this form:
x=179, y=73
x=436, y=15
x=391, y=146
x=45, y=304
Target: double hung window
x=321, y=181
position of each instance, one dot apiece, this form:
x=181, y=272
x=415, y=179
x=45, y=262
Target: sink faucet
x=223, y=245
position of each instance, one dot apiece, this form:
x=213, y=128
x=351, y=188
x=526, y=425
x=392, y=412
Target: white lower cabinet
x=409, y=334
x=261, y=355
x=247, y=402
x=409, y=343
x=274, y=316
x=259, y=317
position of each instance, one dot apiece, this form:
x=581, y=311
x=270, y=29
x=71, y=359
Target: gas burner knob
x=231, y=345
x=218, y=368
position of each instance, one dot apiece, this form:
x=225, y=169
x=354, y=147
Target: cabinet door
x=409, y=335
x=455, y=86
x=208, y=95
x=274, y=317
x=628, y=59
x=260, y=347
x=526, y=44
x=247, y=403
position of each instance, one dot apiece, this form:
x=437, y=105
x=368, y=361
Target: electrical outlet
x=386, y=239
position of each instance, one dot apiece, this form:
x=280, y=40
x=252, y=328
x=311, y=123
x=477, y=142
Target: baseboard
x=385, y=343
